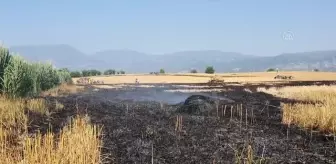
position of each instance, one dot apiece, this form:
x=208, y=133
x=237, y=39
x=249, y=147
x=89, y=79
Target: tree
x=193, y=71
x=75, y=74
x=210, y=70
x=95, y=72
x=110, y=72
x=85, y=73
x=162, y=71
x=91, y=72
x=270, y=70
x=64, y=69
x=121, y=72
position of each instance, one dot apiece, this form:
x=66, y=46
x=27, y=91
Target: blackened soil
x=139, y=132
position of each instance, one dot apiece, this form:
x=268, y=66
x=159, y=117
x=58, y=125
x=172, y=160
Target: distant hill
x=322, y=60
x=59, y=55
x=137, y=62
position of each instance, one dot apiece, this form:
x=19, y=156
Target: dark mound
x=197, y=105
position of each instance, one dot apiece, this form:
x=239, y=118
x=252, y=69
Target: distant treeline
x=94, y=72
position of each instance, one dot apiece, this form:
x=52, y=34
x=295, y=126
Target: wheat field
x=317, y=113
x=203, y=78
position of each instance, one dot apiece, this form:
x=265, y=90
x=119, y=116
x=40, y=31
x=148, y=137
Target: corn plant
x=48, y=77
x=17, y=79
x=20, y=78
x=35, y=67
x=64, y=76
x=43, y=77
x=5, y=57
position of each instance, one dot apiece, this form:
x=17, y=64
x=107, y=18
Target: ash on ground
x=198, y=129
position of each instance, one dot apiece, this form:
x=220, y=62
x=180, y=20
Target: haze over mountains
x=136, y=62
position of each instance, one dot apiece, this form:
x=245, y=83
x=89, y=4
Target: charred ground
x=152, y=130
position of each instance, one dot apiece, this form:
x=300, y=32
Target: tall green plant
x=37, y=77
x=210, y=70
x=5, y=58
x=19, y=78
x=18, y=81
x=64, y=76
x=46, y=76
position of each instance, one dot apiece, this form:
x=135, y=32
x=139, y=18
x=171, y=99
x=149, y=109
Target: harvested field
x=253, y=77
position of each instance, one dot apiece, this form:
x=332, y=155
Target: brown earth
x=142, y=128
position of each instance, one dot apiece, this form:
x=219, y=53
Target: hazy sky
x=163, y=26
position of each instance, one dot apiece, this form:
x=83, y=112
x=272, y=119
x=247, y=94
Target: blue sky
x=164, y=26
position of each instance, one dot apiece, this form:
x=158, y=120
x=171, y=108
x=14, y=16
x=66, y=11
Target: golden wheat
x=317, y=112
x=79, y=142
x=253, y=77
x=37, y=105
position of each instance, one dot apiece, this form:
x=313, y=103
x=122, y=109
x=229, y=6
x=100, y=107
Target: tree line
x=94, y=72
x=208, y=70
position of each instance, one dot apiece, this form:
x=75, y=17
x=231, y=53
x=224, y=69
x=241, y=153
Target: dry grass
x=13, y=124
x=203, y=78
x=12, y=113
x=319, y=114
x=247, y=156
x=58, y=105
x=78, y=142
x=37, y=105
x=62, y=90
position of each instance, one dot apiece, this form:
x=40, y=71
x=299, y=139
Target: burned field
x=231, y=124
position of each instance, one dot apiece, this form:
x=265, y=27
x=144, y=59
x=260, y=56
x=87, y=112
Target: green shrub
x=110, y=72
x=48, y=77
x=122, y=72
x=64, y=76
x=270, y=70
x=210, y=70
x=91, y=72
x=75, y=74
x=193, y=71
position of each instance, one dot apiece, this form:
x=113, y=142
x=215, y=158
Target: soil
x=140, y=126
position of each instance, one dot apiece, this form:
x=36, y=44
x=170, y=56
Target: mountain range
x=65, y=56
